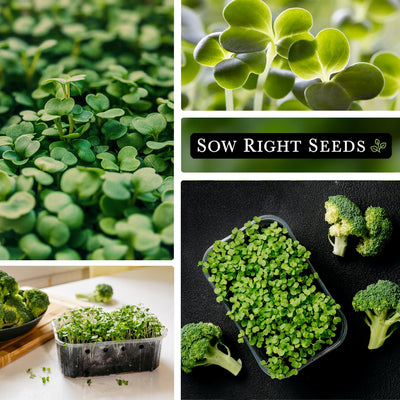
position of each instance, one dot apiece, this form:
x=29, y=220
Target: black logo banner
x=293, y=145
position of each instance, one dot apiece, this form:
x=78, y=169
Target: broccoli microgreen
x=93, y=324
x=266, y=279
x=78, y=105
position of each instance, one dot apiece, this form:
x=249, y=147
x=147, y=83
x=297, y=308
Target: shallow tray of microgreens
x=86, y=130
x=91, y=341
x=271, y=291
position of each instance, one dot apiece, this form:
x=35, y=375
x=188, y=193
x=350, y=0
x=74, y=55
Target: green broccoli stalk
x=346, y=219
x=102, y=294
x=36, y=301
x=199, y=347
x=380, y=230
x=381, y=304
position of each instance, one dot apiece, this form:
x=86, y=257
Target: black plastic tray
x=105, y=358
x=266, y=220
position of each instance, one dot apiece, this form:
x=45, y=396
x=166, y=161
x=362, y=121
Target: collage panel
x=281, y=55
x=86, y=130
x=113, y=329
x=289, y=289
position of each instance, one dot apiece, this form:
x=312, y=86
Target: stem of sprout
x=229, y=100
x=259, y=96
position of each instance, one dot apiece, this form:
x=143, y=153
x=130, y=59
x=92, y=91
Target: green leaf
x=83, y=149
x=19, y=204
x=49, y=164
x=361, y=81
x=98, y=102
x=389, y=64
x=53, y=231
x=156, y=162
x=72, y=216
x=209, y=50
x=111, y=113
x=279, y=83
x=40, y=176
x=233, y=73
x=34, y=248
x=290, y=26
x=327, y=96
x=63, y=155
x=152, y=125
x=250, y=26
x=59, y=107
x=146, y=180
x=159, y=145
x=82, y=182
x=381, y=10
x=67, y=254
x=6, y=185
x=127, y=159
x=26, y=146
x=319, y=58
x=117, y=186
x=167, y=235
x=113, y=129
x=163, y=215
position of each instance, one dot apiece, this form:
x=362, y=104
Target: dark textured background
x=211, y=209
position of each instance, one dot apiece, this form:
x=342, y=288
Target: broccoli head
x=36, y=301
x=379, y=229
x=381, y=304
x=346, y=219
x=15, y=311
x=199, y=347
x=8, y=285
x=102, y=294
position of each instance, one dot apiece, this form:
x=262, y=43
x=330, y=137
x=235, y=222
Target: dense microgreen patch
x=265, y=278
x=268, y=55
x=86, y=130
x=93, y=324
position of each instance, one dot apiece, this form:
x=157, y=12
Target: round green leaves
x=389, y=64
x=319, y=58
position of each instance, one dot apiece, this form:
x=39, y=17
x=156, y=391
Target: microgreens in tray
x=93, y=324
x=86, y=130
x=262, y=55
x=265, y=279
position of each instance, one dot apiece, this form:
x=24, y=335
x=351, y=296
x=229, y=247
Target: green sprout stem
x=218, y=357
x=229, y=100
x=259, y=96
x=58, y=124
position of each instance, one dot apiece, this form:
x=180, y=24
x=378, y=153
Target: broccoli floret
x=15, y=305
x=36, y=301
x=380, y=230
x=380, y=302
x=8, y=285
x=102, y=294
x=346, y=219
x=199, y=346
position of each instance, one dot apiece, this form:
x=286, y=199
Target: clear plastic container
x=105, y=358
x=266, y=220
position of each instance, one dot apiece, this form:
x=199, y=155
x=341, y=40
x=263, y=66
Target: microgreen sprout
x=31, y=374
x=265, y=278
x=122, y=382
x=89, y=382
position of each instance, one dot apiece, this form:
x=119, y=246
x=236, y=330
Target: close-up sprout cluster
x=290, y=55
x=86, y=130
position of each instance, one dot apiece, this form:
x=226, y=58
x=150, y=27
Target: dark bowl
x=15, y=331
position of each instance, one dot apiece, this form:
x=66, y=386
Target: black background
x=210, y=210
